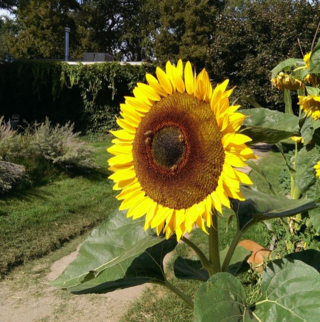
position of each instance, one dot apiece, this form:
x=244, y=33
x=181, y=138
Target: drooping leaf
x=290, y=292
x=118, y=254
x=188, y=269
x=315, y=59
x=221, y=298
x=263, y=125
x=306, y=159
x=286, y=65
x=259, y=206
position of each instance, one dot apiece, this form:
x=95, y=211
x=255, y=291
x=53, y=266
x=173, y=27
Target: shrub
x=10, y=174
x=60, y=146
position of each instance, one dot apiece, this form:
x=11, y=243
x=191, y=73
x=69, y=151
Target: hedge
x=87, y=95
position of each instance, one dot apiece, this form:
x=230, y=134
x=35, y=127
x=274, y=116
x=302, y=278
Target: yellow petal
x=140, y=209
x=126, y=125
x=121, y=159
x=164, y=81
x=122, y=134
x=132, y=200
x=180, y=67
x=149, y=92
x=188, y=78
x=155, y=84
x=137, y=104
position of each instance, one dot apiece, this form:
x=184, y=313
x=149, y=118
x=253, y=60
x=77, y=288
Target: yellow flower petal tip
x=176, y=152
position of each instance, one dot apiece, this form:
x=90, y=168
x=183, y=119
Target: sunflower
x=310, y=78
x=175, y=155
x=284, y=81
x=310, y=105
x=317, y=167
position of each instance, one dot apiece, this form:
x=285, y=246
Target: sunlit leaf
x=263, y=125
x=221, y=298
x=118, y=254
x=290, y=292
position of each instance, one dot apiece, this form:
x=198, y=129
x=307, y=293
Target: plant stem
x=233, y=246
x=214, y=255
x=178, y=292
x=204, y=260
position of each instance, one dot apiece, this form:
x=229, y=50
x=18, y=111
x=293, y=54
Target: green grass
x=38, y=220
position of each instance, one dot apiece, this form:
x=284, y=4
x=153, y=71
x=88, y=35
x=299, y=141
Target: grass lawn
x=39, y=220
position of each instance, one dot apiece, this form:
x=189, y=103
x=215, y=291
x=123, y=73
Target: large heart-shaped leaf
x=118, y=254
x=259, y=206
x=263, y=125
x=221, y=298
x=290, y=292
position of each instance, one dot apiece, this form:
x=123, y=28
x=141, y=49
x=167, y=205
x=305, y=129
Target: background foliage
x=87, y=95
x=238, y=39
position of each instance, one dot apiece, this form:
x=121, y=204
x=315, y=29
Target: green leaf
x=259, y=206
x=308, y=128
x=315, y=59
x=263, y=125
x=290, y=292
x=118, y=254
x=221, y=298
x=305, y=174
x=312, y=90
x=286, y=65
x=256, y=168
x=313, y=192
x=188, y=269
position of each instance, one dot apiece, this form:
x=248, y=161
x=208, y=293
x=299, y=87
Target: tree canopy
x=239, y=39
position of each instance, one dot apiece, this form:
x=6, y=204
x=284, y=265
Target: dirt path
x=27, y=296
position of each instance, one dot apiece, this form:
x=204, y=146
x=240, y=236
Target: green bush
x=10, y=174
x=61, y=146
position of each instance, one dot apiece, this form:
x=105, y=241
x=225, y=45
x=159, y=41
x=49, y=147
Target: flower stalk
x=214, y=254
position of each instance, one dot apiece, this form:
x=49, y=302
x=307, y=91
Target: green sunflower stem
x=204, y=260
x=233, y=246
x=175, y=290
x=214, y=254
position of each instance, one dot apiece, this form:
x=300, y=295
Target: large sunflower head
x=310, y=105
x=177, y=150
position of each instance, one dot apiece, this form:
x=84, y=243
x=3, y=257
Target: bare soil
x=26, y=294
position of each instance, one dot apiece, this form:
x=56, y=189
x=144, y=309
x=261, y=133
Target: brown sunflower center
x=168, y=147
x=177, y=151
